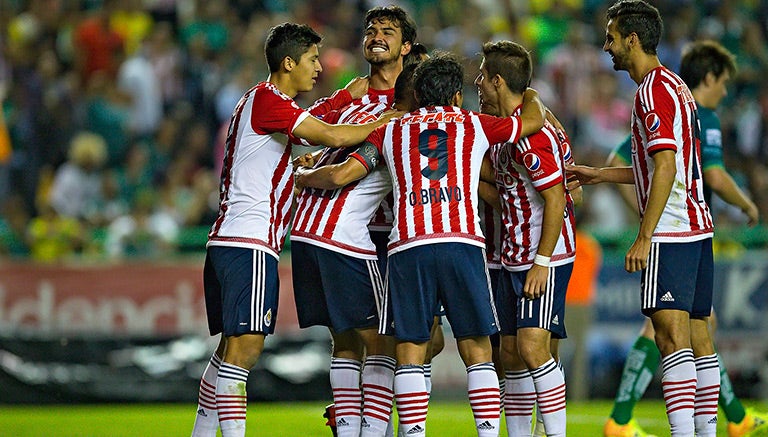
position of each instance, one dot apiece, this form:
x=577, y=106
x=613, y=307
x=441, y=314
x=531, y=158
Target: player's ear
x=458, y=99
x=405, y=48
x=497, y=81
x=288, y=63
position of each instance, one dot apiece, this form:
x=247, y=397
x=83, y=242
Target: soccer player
x=435, y=251
x=538, y=247
x=336, y=278
x=673, y=247
x=706, y=67
x=240, y=274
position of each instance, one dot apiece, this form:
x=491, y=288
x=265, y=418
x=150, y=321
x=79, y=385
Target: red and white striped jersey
x=493, y=229
x=383, y=218
x=337, y=219
x=256, y=188
x=664, y=118
x=434, y=157
x=523, y=169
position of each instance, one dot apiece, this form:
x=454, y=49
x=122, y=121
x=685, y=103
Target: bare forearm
x=552, y=220
x=490, y=195
x=661, y=186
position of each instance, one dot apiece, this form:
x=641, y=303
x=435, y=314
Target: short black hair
x=288, y=39
x=397, y=15
x=639, y=17
x=437, y=79
x=702, y=57
x=418, y=53
x=511, y=61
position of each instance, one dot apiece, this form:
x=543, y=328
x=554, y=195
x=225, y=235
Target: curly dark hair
x=639, y=17
x=288, y=39
x=437, y=79
x=397, y=15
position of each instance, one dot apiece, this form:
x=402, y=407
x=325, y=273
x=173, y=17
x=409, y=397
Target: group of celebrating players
x=389, y=232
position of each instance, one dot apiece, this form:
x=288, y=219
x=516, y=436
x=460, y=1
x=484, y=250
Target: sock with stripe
x=550, y=397
x=519, y=399
x=639, y=368
x=483, y=391
x=207, y=419
x=231, y=399
x=428, y=377
x=378, y=380
x=707, y=392
x=678, y=383
x=412, y=400
x=730, y=404
x=345, y=383
x=502, y=394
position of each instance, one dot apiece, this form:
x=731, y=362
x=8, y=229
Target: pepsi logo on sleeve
x=652, y=122
x=531, y=161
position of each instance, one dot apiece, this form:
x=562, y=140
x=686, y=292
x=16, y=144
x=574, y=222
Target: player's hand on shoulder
x=390, y=114
x=358, y=87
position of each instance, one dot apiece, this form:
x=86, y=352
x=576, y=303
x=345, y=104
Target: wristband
x=541, y=260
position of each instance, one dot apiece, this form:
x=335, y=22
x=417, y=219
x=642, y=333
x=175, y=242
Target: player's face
x=489, y=97
x=614, y=46
x=383, y=42
x=307, y=69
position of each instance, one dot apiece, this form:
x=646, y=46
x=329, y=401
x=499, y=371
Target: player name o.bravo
x=434, y=195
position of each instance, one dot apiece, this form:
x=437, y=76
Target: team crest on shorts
x=268, y=317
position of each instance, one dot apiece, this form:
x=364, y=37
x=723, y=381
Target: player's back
x=434, y=157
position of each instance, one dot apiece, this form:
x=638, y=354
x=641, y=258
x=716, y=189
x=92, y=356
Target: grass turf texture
x=301, y=419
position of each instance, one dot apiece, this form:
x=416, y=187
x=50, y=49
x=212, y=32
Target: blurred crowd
x=114, y=112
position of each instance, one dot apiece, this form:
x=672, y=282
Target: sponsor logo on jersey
x=652, y=122
x=531, y=161
x=434, y=195
x=566, y=152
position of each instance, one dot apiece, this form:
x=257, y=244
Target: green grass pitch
x=301, y=419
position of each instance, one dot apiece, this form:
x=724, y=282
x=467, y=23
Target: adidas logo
x=712, y=420
x=365, y=423
x=415, y=430
x=486, y=425
x=667, y=297
x=201, y=412
x=342, y=422
x=555, y=320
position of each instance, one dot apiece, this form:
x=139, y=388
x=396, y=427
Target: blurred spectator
x=76, y=188
x=131, y=22
x=144, y=232
x=605, y=124
x=166, y=58
x=53, y=237
x=136, y=78
x=98, y=47
x=106, y=114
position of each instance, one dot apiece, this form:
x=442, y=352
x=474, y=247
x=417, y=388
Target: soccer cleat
x=631, y=429
x=330, y=414
x=754, y=424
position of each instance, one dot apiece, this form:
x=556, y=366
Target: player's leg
x=408, y=312
x=436, y=345
x=741, y=421
x=466, y=296
x=241, y=354
x=207, y=418
x=538, y=321
x=707, y=367
x=639, y=367
x=346, y=368
x=520, y=393
x=377, y=382
x=667, y=291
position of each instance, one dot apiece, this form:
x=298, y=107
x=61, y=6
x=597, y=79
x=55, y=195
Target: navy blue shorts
x=242, y=288
x=546, y=312
x=335, y=290
x=679, y=276
x=421, y=278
